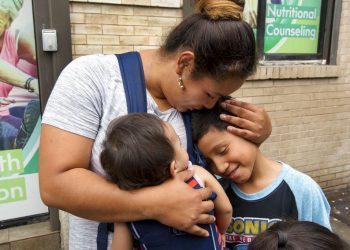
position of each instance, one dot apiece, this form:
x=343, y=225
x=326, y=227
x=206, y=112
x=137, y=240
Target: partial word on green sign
x=12, y=190
x=299, y=31
x=11, y=162
x=291, y=12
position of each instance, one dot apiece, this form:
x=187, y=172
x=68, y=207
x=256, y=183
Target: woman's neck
x=156, y=70
x=265, y=172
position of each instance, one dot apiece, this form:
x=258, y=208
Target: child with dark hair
x=298, y=235
x=261, y=191
x=141, y=150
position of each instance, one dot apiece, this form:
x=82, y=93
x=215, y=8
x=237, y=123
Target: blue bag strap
x=193, y=152
x=102, y=235
x=134, y=81
x=132, y=74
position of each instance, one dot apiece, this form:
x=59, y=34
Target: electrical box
x=49, y=39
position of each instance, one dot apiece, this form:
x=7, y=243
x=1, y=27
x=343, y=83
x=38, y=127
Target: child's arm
x=122, y=238
x=222, y=205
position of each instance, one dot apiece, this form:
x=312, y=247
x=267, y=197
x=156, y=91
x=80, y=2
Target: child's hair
x=205, y=119
x=136, y=152
x=223, y=44
x=298, y=235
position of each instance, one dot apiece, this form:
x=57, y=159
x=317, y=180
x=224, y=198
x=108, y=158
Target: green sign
x=289, y=23
x=20, y=114
x=11, y=162
x=12, y=190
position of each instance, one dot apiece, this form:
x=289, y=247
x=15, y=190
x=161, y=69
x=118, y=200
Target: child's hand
x=253, y=121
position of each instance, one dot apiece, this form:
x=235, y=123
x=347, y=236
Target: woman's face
x=202, y=92
x=4, y=22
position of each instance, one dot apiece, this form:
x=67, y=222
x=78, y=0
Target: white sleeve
x=75, y=104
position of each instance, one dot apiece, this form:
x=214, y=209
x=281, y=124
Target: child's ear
x=173, y=168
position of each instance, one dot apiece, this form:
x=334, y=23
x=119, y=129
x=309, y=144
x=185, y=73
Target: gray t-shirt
x=89, y=94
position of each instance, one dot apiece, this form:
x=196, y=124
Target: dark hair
x=298, y=235
x=136, y=152
x=204, y=119
x=223, y=44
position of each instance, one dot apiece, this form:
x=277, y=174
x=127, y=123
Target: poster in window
x=20, y=113
x=250, y=13
x=291, y=22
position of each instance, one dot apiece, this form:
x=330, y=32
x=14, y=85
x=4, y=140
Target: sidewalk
x=340, y=212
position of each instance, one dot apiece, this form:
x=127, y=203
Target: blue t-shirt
x=293, y=195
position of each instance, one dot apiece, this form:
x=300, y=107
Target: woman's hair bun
x=221, y=9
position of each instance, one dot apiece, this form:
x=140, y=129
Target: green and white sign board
x=19, y=189
x=292, y=26
x=20, y=122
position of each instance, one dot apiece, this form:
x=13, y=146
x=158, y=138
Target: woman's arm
x=253, y=121
x=67, y=183
x=222, y=205
x=122, y=238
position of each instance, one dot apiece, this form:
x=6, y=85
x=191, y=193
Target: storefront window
x=20, y=114
x=292, y=29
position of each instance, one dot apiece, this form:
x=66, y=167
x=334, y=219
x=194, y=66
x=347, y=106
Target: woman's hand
x=253, y=121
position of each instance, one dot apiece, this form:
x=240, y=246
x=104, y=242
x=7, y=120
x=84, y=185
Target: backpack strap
x=194, y=154
x=103, y=230
x=133, y=78
x=134, y=81
x=186, y=116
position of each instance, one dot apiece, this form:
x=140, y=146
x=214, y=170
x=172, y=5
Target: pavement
x=339, y=201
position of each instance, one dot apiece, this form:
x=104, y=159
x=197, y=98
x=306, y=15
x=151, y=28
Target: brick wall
x=113, y=28
x=310, y=116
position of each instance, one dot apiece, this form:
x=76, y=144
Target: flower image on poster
x=290, y=22
x=20, y=113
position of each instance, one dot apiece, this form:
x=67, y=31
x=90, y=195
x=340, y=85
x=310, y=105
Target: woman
x=208, y=55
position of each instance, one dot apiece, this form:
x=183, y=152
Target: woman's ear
x=173, y=169
x=185, y=59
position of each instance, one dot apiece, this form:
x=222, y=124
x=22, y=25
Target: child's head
x=297, y=235
x=227, y=155
x=139, y=150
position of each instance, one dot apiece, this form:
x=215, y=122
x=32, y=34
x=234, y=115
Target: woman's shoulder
x=95, y=61
x=96, y=69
